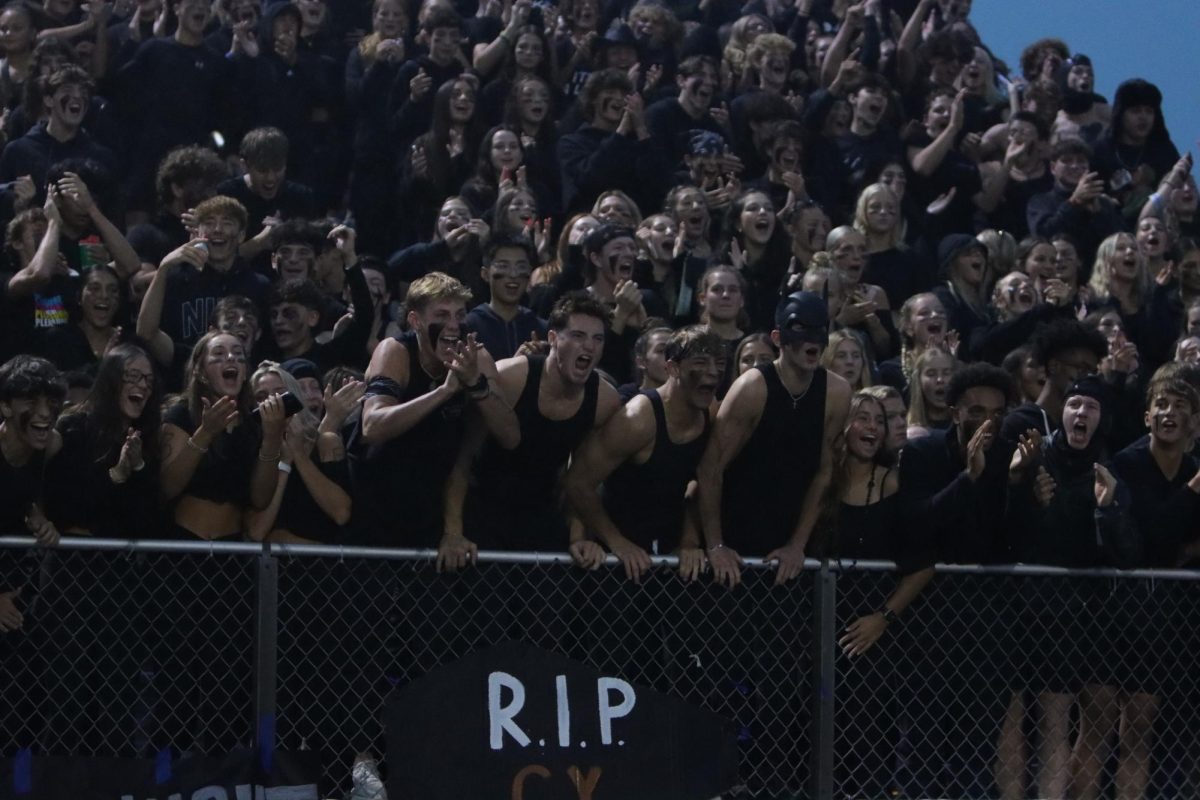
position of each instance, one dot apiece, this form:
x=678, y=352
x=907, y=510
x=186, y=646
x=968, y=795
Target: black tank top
x=546, y=444
x=399, y=484
x=514, y=502
x=765, y=484
x=646, y=501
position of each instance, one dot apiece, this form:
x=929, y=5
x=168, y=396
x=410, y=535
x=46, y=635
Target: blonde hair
x=1101, y=280
x=845, y=335
x=908, y=351
x=766, y=43
x=918, y=414
x=637, y=212
x=896, y=236
x=433, y=287
x=736, y=51
x=308, y=419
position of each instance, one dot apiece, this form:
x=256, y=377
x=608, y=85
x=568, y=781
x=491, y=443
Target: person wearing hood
x=1137, y=151
x=1066, y=509
x=963, y=262
x=1067, y=350
x=1087, y=111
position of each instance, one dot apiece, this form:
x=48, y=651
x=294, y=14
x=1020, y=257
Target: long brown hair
x=106, y=428
x=825, y=531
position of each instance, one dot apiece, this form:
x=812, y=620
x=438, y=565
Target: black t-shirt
x=224, y=472
x=292, y=201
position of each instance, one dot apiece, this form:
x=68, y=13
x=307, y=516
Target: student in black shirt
x=31, y=396
x=1066, y=350
x=217, y=459
x=72, y=213
x=295, y=315
x=1068, y=510
x=556, y=400
x=106, y=481
x=613, y=149
x=672, y=121
x=186, y=177
x=312, y=500
x=954, y=483
x=502, y=324
x=1135, y=651
x=645, y=456
x=194, y=277
x=1077, y=205
x=419, y=387
x=60, y=136
x=775, y=428
x=264, y=190
x=174, y=91
x=861, y=519
x=100, y=310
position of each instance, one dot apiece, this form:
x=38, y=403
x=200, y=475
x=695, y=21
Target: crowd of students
x=769, y=280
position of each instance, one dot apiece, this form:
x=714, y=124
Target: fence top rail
x=500, y=557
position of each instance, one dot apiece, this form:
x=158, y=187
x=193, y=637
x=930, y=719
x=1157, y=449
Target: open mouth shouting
x=1077, y=434
x=583, y=365
x=39, y=432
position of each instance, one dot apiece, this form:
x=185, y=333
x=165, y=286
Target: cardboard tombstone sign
x=515, y=721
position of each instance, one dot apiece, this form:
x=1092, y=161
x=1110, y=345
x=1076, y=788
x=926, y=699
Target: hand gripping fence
x=1004, y=681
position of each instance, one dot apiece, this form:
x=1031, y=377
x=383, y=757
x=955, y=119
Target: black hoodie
x=1157, y=152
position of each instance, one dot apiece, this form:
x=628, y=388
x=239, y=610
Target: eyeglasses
x=133, y=377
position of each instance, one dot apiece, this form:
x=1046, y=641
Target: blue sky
x=1155, y=40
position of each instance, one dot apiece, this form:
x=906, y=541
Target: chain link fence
x=996, y=683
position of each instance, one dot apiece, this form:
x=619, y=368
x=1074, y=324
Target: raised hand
x=1029, y=448
x=340, y=404
x=1043, y=487
x=216, y=417
x=419, y=86
x=1106, y=487
x=977, y=449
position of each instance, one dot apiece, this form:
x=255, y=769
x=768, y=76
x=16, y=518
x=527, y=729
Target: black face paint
x=434, y=331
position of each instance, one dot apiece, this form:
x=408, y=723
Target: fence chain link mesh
x=991, y=685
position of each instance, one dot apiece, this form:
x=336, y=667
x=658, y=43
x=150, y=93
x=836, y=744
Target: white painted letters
x=501, y=719
x=609, y=712
x=564, y=711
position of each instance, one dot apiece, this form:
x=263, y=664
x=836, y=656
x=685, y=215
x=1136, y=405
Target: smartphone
x=291, y=405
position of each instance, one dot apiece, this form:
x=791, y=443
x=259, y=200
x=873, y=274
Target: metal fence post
x=265, y=639
x=824, y=641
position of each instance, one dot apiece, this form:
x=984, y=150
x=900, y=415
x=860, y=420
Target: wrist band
x=284, y=467
x=265, y=459
x=195, y=446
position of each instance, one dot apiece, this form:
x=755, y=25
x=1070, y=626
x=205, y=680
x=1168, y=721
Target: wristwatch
x=479, y=389
x=888, y=615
